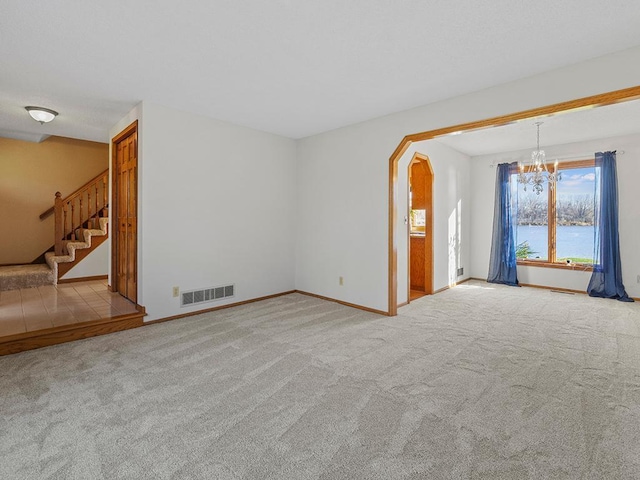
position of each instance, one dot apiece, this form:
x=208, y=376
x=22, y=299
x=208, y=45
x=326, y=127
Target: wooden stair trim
x=83, y=279
x=50, y=211
x=81, y=253
x=67, y=333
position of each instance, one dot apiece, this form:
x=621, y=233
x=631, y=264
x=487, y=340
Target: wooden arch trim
x=609, y=98
x=421, y=157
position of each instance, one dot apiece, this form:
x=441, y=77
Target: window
x=557, y=226
x=418, y=220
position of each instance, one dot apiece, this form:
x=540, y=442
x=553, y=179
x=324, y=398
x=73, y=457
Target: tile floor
x=32, y=309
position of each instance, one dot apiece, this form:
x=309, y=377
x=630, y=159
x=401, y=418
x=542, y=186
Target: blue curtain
x=606, y=280
x=502, y=264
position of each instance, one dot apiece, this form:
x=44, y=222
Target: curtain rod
x=581, y=156
x=575, y=156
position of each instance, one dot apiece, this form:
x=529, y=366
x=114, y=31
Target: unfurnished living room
x=319, y=240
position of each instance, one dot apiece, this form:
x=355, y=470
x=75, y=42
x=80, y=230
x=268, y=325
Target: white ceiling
x=290, y=67
x=566, y=127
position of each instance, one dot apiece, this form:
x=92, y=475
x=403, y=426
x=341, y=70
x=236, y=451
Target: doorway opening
x=420, y=227
x=595, y=100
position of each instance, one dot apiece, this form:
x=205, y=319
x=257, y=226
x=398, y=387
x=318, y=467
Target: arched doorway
x=601, y=99
x=420, y=227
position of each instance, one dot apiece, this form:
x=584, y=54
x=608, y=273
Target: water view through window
x=574, y=221
x=574, y=242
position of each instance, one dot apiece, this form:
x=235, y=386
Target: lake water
x=570, y=242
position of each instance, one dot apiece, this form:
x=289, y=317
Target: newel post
x=57, y=208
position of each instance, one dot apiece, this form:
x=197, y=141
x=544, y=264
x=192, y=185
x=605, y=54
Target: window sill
x=578, y=267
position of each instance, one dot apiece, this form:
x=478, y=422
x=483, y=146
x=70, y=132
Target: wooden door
x=125, y=214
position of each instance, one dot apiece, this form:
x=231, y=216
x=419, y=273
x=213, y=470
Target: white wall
x=341, y=197
x=451, y=214
x=324, y=197
x=217, y=207
x=92, y=265
x=483, y=193
x=342, y=192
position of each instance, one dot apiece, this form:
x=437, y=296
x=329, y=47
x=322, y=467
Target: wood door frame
x=428, y=234
x=113, y=206
x=594, y=100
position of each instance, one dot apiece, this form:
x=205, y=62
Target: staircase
x=81, y=225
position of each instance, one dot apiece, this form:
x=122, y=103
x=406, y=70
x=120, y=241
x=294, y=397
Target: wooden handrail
x=81, y=209
x=46, y=213
x=49, y=212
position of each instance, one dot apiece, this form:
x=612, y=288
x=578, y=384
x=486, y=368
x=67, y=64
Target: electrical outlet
x=176, y=291
x=341, y=281
x=638, y=278
x=460, y=272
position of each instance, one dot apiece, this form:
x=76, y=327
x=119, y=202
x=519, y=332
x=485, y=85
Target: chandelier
x=537, y=172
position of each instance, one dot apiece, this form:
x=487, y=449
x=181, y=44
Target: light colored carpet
x=15, y=277
x=478, y=382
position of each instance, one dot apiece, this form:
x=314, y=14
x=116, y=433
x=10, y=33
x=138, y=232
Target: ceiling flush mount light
x=40, y=114
x=537, y=172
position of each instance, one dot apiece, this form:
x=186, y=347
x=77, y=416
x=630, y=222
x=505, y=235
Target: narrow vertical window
x=575, y=215
x=532, y=233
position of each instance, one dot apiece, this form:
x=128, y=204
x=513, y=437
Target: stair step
x=25, y=276
x=76, y=250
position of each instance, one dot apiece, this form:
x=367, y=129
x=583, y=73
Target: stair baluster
x=66, y=220
x=89, y=210
x=104, y=192
x=73, y=220
x=96, y=222
x=80, y=217
x=59, y=227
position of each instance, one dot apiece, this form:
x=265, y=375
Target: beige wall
x=30, y=175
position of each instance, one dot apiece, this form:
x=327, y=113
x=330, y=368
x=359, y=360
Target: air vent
x=194, y=297
x=460, y=272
